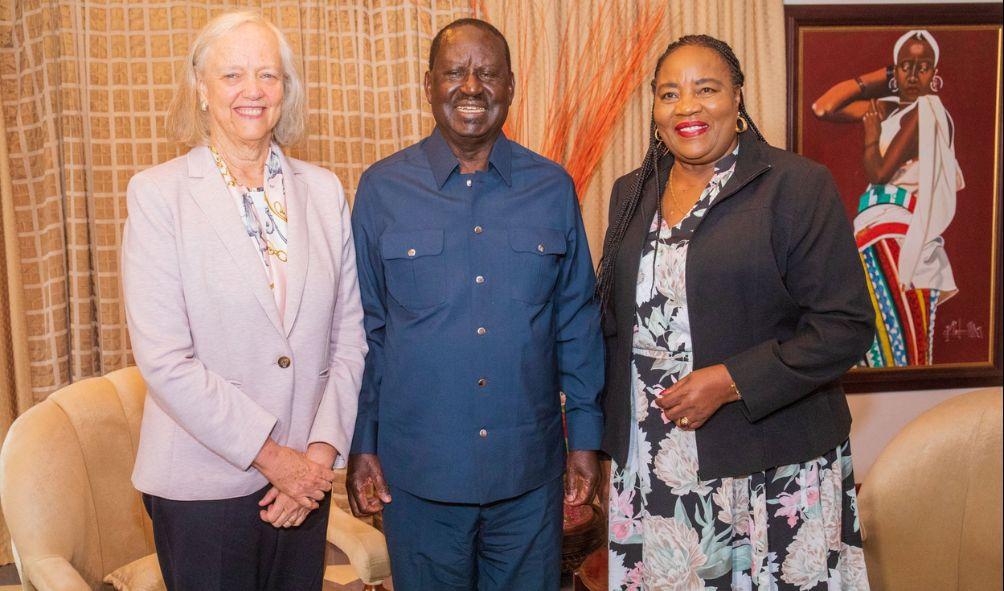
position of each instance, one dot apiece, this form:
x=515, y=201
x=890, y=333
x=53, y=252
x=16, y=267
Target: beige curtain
x=15, y=395
x=754, y=29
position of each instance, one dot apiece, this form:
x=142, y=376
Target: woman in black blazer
x=734, y=300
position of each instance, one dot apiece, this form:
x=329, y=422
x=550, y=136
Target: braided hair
x=656, y=150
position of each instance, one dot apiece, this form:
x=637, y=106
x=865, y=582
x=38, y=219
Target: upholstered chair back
x=65, y=483
x=931, y=505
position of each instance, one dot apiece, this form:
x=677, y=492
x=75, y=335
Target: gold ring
x=684, y=422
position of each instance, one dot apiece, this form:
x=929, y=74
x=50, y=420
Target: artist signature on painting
x=956, y=331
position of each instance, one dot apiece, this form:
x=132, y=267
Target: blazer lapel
x=211, y=195
x=299, y=240
x=751, y=164
x=629, y=255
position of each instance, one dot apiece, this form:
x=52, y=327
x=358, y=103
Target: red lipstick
x=689, y=129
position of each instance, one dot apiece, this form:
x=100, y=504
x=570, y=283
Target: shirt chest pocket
x=414, y=267
x=534, y=262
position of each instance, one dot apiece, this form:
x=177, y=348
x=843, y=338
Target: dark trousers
x=510, y=545
x=223, y=545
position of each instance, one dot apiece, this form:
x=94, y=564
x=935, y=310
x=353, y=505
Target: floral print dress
x=789, y=527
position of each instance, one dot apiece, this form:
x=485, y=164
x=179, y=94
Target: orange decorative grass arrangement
x=596, y=74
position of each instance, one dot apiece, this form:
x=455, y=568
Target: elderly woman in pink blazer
x=244, y=313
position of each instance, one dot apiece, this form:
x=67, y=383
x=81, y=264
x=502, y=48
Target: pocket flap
x=410, y=245
x=539, y=241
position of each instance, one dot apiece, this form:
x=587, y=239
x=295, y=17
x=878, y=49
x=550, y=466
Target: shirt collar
x=443, y=162
x=665, y=161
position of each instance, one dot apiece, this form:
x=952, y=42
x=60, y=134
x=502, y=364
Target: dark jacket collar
x=444, y=162
x=752, y=162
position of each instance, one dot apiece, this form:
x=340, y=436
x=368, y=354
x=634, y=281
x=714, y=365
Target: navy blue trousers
x=223, y=545
x=509, y=545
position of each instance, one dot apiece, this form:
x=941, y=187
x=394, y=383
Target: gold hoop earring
x=742, y=124
x=660, y=143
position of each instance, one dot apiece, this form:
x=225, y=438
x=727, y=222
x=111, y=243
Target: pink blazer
x=223, y=370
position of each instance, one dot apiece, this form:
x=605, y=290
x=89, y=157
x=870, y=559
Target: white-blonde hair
x=188, y=124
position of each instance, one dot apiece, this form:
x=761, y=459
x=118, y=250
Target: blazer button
x=482, y=382
x=483, y=433
x=284, y=362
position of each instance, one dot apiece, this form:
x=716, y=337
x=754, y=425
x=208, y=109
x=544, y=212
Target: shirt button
x=411, y=252
x=479, y=279
x=478, y=229
x=481, y=330
x=482, y=382
x=540, y=248
x=469, y=182
x=283, y=362
x=483, y=433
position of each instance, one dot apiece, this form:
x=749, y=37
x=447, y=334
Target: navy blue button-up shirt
x=478, y=294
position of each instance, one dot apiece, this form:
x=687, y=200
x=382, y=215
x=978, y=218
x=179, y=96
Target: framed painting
x=903, y=104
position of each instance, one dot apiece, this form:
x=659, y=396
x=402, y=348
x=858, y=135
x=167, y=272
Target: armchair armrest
x=362, y=543
x=54, y=573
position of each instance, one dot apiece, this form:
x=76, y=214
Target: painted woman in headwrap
x=909, y=159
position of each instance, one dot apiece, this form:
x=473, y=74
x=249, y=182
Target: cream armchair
x=931, y=505
x=73, y=515
x=362, y=543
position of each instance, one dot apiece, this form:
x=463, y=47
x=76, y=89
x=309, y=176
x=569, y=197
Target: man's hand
x=293, y=474
x=581, y=477
x=367, y=489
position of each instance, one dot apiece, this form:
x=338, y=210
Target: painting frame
x=802, y=21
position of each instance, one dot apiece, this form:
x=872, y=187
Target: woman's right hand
x=292, y=473
x=281, y=510
x=872, y=122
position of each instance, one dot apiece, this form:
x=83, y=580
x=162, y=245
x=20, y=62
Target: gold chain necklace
x=672, y=194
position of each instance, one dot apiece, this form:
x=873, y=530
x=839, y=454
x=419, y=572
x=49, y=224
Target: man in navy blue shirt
x=477, y=287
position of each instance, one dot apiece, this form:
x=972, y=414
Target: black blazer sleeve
x=609, y=321
x=825, y=280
